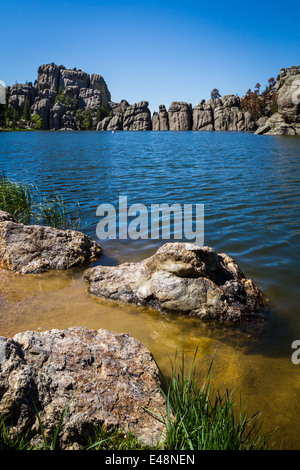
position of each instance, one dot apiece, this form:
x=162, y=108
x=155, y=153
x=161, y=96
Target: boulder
x=35, y=249
x=107, y=379
x=276, y=125
x=181, y=278
x=261, y=121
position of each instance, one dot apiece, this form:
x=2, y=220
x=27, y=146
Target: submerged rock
x=35, y=249
x=181, y=278
x=107, y=378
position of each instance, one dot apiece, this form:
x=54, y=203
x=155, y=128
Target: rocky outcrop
x=107, y=379
x=287, y=120
x=97, y=83
x=87, y=105
x=76, y=90
x=182, y=279
x=73, y=78
x=277, y=125
x=56, y=115
x=211, y=115
x=42, y=108
x=48, y=78
x=180, y=116
x=203, y=117
x=35, y=249
x=288, y=96
x=118, y=108
x=137, y=117
x=233, y=119
x=116, y=123
x=19, y=94
x=160, y=120
x=102, y=125
x=88, y=98
x=155, y=121
x=222, y=115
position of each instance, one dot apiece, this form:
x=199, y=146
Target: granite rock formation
x=137, y=117
x=180, y=116
x=107, y=379
x=182, y=279
x=160, y=120
x=203, y=117
x=70, y=99
x=287, y=120
x=72, y=88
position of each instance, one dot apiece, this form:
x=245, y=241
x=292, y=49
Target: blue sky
x=159, y=51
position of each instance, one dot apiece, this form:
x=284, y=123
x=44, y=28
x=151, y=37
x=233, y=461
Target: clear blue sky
x=159, y=51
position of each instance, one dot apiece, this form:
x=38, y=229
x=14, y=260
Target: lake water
x=250, y=188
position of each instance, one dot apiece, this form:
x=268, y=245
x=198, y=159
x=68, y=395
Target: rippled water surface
x=250, y=188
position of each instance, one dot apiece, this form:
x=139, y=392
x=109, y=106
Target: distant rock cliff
x=61, y=97
x=287, y=120
x=70, y=99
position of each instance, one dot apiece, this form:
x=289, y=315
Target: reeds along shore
x=28, y=205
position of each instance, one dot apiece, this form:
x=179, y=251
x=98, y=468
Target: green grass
x=196, y=419
x=10, y=440
x=29, y=205
x=116, y=440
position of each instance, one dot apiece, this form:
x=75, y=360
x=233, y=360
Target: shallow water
x=250, y=188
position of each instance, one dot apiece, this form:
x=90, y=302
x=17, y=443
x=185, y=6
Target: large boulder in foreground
x=107, y=378
x=181, y=278
x=35, y=249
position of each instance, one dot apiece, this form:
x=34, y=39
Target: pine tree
x=215, y=94
x=26, y=111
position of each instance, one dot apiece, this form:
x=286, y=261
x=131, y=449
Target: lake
x=250, y=188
